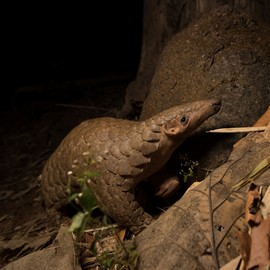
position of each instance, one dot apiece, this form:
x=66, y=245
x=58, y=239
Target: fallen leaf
x=259, y=252
x=252, y=210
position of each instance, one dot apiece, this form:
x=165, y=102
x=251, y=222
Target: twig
x=84, y=107
x=213, y=239
x=102, y=228
x=237, y=129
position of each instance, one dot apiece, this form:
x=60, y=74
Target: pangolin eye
x=184, y=120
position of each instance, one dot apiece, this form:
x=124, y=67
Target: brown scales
x=124, y=153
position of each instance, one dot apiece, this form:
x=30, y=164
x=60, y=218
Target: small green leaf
x=264, y=164
x=77, y=221
x=90, y=174
x=88, y=200
x=73, y=197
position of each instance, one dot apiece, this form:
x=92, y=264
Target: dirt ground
x=31, y=128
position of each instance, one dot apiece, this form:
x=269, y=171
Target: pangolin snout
x=216, y=104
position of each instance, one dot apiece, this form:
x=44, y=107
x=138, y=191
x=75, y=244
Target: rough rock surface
x=224, y=54
x=163, y=19
x=200, y=230
x=60, y=256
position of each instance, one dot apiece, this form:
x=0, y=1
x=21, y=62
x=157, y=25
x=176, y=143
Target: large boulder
x=225, y=54
x=60, y=255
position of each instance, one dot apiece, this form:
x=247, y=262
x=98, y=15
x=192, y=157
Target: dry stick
x=213, y=240
x=237, y=129
x=83, y=107
x=102, y=228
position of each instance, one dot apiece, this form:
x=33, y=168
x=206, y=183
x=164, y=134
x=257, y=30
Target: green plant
x=87, y=201
x=107, y=248
x=187, y=167
x=84, y=199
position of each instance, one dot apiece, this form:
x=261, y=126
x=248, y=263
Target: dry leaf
x=259, y=252
x=252, y=210
x=255, y=246
x=245, y=241
x=265, y=207
x=121, y=234
x=264, y=119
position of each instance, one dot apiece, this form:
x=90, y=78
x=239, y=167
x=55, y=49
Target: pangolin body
x=123, y=153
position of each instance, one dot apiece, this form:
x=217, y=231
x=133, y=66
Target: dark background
x=48, y=43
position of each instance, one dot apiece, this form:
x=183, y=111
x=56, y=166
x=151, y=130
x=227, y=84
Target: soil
x=32, y=126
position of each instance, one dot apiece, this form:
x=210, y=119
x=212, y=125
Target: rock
x=199, y=231
x=163, y=19
x=225, y=54
x=60, y=256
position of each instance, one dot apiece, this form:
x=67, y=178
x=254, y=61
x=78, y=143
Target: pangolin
x=123, y=153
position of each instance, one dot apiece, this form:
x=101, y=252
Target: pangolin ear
x=172, y=129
